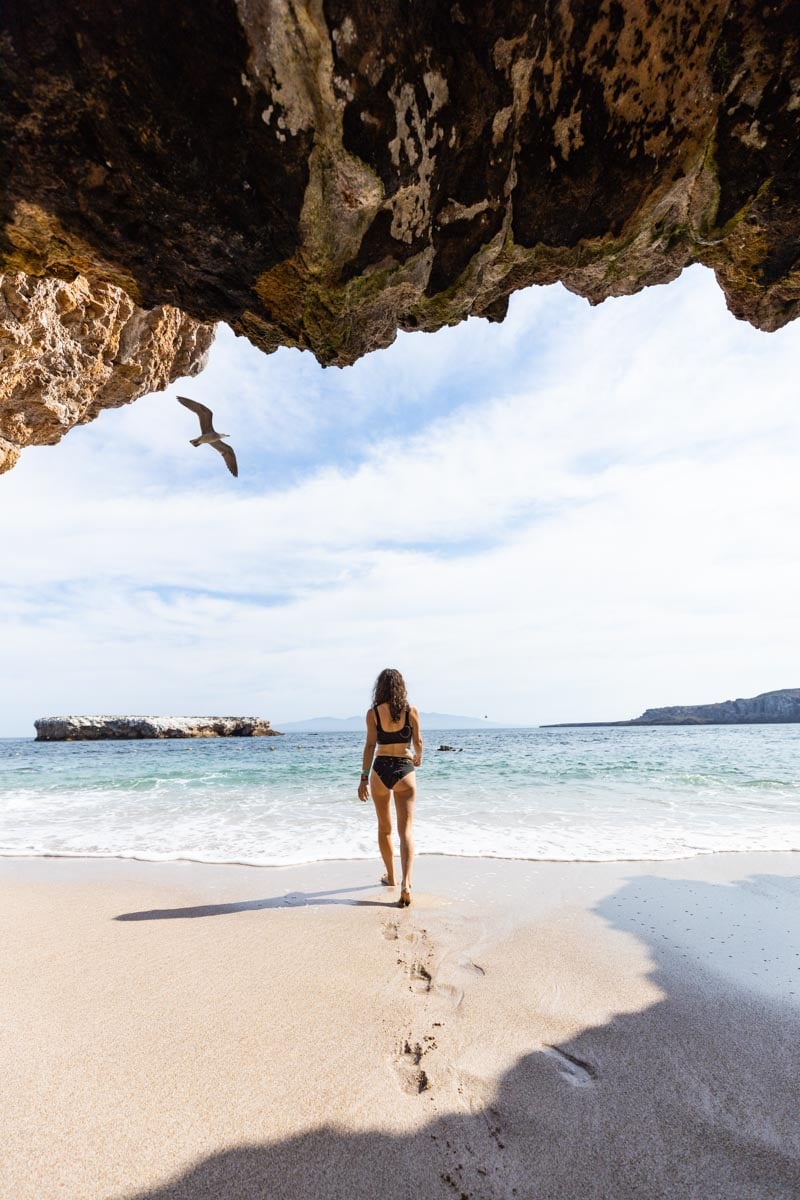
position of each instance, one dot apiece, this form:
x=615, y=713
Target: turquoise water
x=517, y=793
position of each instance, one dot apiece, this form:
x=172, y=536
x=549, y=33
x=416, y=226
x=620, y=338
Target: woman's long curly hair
x=390, y=688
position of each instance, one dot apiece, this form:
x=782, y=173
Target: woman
x=392, y=724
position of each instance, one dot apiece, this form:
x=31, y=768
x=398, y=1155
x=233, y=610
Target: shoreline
x=520, y=797
x=179, y=1031
x=83, y=856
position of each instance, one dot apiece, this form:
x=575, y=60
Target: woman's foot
x=386, y=881
x=405, y=897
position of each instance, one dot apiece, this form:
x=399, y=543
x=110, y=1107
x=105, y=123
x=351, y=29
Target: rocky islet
x=84, y=729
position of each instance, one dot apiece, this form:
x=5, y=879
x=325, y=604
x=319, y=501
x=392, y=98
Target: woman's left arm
x=368, y=755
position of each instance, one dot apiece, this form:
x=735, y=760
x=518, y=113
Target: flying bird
x=209, y=435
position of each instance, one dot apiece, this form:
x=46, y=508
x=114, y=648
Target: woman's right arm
x=416, y=737
x=368, y=755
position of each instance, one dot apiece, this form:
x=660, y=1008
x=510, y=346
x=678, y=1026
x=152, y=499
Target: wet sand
x=540, y=1030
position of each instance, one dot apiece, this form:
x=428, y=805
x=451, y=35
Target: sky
x=574, y=515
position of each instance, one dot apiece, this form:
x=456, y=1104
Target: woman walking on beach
x=392, y=725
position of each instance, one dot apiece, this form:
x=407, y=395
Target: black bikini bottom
x=391, y=768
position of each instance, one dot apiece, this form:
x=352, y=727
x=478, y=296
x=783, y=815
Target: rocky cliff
x=90, y=729
x=770, y=708
x=780, y=706
x=69, y=350
x=320, y=173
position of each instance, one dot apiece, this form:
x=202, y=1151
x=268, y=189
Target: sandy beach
x=525, y=1029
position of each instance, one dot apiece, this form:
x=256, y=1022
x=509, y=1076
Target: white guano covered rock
x=87, y=729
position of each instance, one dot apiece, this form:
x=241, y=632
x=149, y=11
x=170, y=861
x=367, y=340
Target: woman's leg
x=381, y=797
x=404, y=793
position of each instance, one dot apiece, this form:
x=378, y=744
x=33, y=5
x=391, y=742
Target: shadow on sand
x=289, y=900
x=695, y=1098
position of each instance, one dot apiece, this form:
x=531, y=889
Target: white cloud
x=604, y=522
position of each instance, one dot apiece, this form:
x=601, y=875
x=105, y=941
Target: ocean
x=562, y=794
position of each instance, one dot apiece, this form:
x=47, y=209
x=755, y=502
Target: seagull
x=209, y=435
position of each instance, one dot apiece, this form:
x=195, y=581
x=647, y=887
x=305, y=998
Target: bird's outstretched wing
x=205, y=414
x=227, y=453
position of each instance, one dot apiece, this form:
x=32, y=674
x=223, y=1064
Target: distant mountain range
x=428, y=720
x=770, y=708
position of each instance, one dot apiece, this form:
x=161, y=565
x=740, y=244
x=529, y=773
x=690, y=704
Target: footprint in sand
x=575, y=1070
x=417, y=967
x=420, y=974
x=413, y=1077
x=421, y=978
x=451, y=992
x=492, y=1118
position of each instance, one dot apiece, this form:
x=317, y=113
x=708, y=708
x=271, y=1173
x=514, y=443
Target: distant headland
x=98, y=729
x=770, y=708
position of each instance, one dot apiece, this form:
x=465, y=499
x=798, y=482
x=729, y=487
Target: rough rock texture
x=91, y=729
x=320, y=173
x=69, y=350
x=780, y=706
x=770, y=708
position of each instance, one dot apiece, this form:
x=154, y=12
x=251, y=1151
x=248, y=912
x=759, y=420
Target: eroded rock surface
x=69, y=350
x=91, y=729
x=781, y=707
x=320, y=174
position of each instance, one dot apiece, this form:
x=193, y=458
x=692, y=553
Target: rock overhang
x=321, y=175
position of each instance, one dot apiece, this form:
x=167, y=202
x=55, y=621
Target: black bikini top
x=389, y=737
